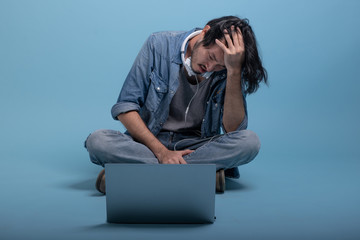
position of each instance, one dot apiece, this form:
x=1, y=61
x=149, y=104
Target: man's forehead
x=217, y=51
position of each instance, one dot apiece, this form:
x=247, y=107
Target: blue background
x=62, y=64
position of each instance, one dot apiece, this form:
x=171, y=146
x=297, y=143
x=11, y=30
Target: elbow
x=234, y=125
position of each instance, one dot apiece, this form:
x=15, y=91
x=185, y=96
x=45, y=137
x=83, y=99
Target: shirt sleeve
x=136, y=84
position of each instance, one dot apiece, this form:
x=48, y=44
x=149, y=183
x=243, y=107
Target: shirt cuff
x=123, y=107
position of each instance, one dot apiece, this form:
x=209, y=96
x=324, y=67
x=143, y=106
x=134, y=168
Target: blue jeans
x=227, y=151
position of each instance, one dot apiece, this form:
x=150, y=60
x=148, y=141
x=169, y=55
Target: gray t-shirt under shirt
x=176, y=121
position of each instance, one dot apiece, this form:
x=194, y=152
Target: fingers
x=186, y=152
x=233, y=47
x=239, y=36
x=228, y=39
x=182, y=161
x=183, y=153
x=178, y=160
x=221, y=45
x=233, y=44
x=175, y=157
x=236, y=37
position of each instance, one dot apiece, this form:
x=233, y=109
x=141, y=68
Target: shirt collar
x=177, y=55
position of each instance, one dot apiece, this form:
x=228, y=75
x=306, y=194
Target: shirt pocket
x=157, y=91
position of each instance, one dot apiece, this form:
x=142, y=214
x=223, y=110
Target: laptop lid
x=160, y=193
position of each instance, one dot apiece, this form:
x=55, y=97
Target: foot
x=100, y=182
x=220, y=181
x=232, y=173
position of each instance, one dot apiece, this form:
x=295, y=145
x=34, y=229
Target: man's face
x=207, y=59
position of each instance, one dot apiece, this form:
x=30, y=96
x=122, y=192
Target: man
x=181, y=90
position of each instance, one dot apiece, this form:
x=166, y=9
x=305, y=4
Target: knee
x=95, y=141
x=248, y=145
x=252, y=142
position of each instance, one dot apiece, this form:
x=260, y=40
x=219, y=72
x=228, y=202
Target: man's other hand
x=173, y=157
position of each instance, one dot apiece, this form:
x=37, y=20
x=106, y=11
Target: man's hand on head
x=234, y=52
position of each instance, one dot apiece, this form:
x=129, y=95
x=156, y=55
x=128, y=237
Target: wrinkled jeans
x=226, y=150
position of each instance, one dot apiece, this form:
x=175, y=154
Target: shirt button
x=158, y=88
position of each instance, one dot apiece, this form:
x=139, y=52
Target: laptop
x=160, y=193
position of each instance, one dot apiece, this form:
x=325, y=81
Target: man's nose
x=210, y=67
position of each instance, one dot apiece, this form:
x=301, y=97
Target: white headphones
x=187, y=62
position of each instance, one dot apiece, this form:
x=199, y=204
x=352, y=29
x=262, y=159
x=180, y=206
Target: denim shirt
x=154, y=79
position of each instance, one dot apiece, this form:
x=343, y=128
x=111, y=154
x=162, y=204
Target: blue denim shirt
x=154, y=79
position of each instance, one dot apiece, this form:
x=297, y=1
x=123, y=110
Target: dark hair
x=253, y=71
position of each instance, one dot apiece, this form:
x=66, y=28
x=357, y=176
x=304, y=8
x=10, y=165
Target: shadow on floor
x=233, y=185
x=87, y=185
x=108, y=226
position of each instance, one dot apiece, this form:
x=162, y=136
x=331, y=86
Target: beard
x=194, y=56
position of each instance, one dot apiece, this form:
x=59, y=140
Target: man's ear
x=205, y=29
